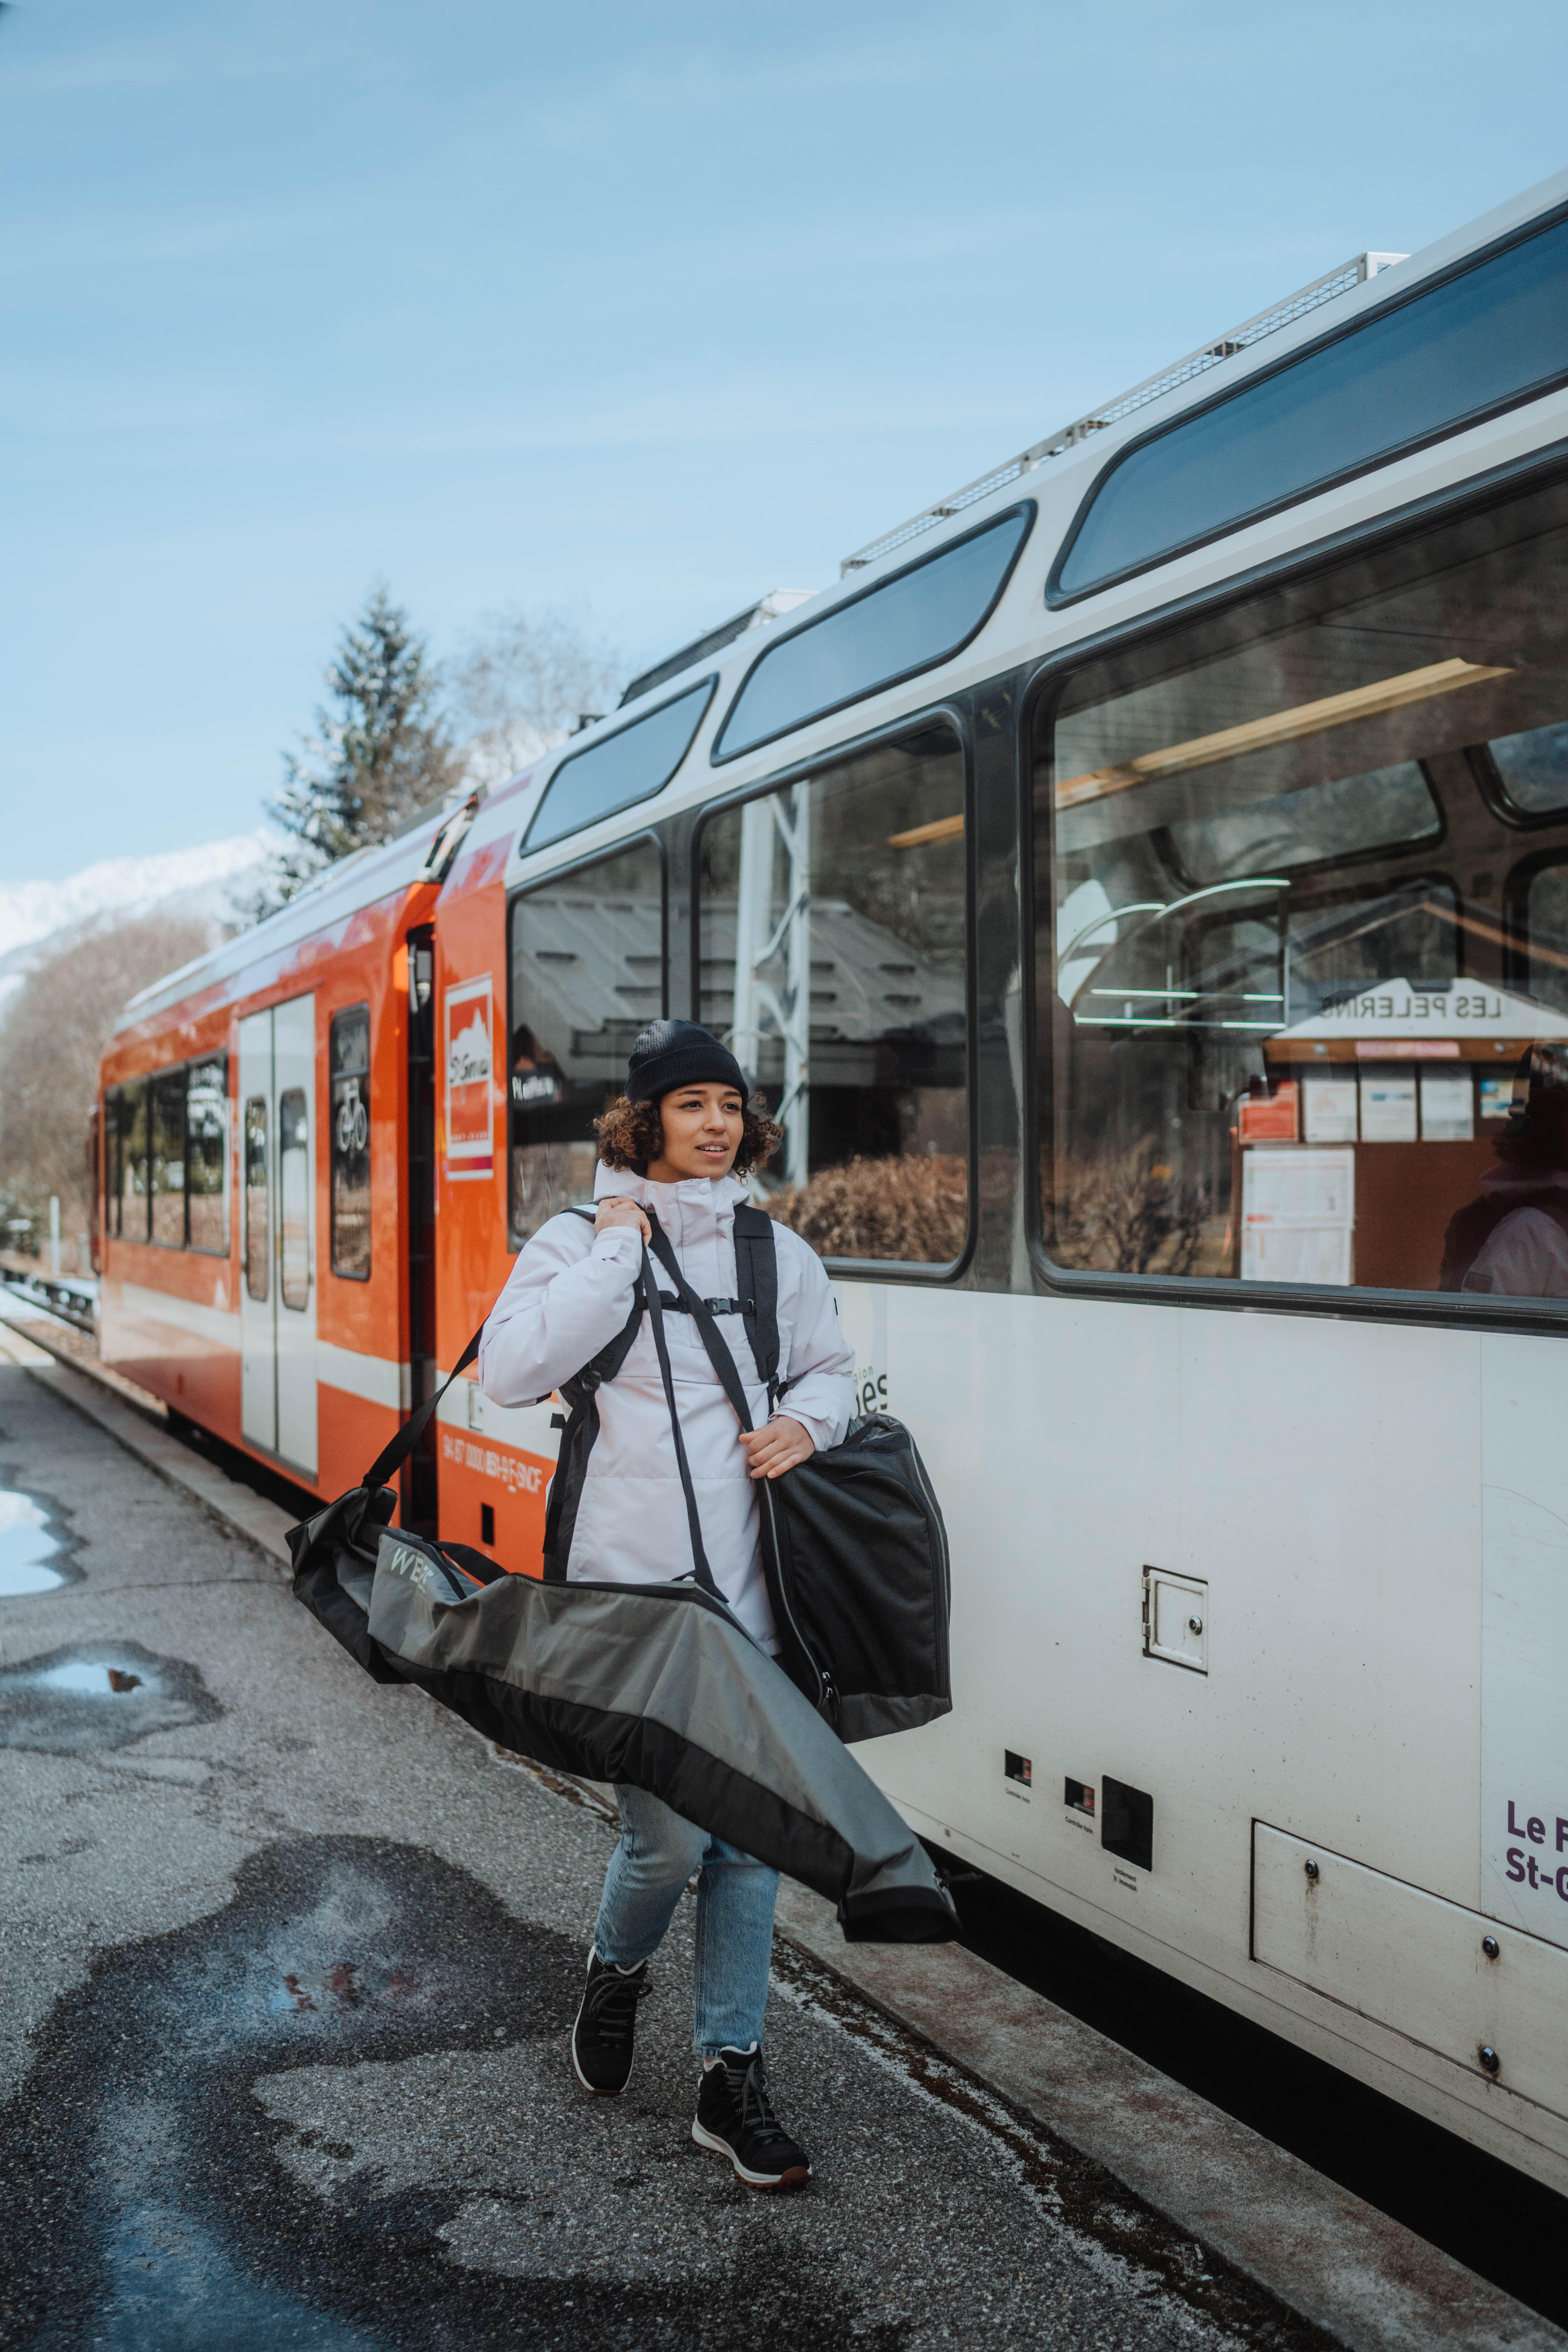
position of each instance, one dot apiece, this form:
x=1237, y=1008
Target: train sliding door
x=277, y=1304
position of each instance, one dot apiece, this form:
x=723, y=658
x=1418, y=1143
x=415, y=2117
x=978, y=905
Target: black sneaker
x=606, y=2022
x=735, y=2119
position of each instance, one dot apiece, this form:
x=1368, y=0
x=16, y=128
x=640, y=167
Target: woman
x=676, y=1143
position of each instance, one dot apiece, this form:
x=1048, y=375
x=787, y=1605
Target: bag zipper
x=827, y=1693
x=935, y=1521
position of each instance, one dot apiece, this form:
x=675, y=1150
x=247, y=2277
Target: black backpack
x=853, y=1549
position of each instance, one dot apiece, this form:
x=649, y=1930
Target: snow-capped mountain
x=211, y=880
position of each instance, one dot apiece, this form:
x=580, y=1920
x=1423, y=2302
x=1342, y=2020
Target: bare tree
x=522, y=684
x=57, y=1026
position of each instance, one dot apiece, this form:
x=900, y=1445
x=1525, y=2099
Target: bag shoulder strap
x=651, y=1299
x=757, y=1272
x=712, y=1338
x=394, y=1454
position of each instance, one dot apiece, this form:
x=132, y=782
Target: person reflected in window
x=536, y=1076
x=1513, y=1241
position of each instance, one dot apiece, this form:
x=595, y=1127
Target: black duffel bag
x=854, y=1548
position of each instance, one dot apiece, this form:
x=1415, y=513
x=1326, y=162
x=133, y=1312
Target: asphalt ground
x=287, y=1963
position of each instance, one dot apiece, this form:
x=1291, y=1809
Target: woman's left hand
x=777, y=1446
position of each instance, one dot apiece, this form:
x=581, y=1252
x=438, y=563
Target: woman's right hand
x=612, y=1211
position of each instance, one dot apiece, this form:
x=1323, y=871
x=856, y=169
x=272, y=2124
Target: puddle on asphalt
x=76, y=1675
x=189, y=2226
x=98, y=1695
x=33, y=1557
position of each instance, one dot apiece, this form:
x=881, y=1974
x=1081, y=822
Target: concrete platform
x=287, y=1960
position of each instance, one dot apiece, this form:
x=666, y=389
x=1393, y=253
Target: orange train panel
x=479, y=1473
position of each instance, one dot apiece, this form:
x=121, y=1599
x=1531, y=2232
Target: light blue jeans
x=657, y=1853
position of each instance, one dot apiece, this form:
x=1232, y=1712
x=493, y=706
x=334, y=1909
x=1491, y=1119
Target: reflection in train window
x=294, y=1199
x=350, y=1076
x=1546, y=933
x=128, y=1203
x=833, y=946
x=1279, y=1043
x=168, y=1089
x=588, y=974
x=1533, y=769
x=206, y=1156
x=256, y=1188
x=1337, y=819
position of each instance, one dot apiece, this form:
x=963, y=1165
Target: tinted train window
x=206, y=1155
x=1495, y=334
x=130, y=1206
x=907, y=623
x=113, y=1160
x=257, y=1186
x=350, y=1052
x=833, y=962
x=1531, y=769
x=168, y=1091
x=1286, y=1035
x=628, y=766
x=588, y=974
x=294, y=1199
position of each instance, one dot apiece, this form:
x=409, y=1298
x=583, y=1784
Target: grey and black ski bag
x=653, y=1684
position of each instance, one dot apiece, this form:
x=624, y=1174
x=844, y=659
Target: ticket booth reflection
x=1384, y=1113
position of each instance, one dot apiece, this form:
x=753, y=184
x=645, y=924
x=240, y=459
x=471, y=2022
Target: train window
x=587, y=973
x=113, y=1156
x=1481, y=341
x=907, y=623
x=350, y=1052
x=206, y=1156
x=257, y=1252
x=630, y=765
x=833, y=959
x=129, y=1204
x=1531, y=769
x=1285, y=1033
x=168, y=1091
x=294, y=1199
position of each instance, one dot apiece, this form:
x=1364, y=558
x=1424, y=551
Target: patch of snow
x=205, y=879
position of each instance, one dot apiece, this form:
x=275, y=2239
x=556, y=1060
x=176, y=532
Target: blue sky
x=639, y=310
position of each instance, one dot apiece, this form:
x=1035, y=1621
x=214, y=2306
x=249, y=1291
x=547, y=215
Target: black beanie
x=679, y=1054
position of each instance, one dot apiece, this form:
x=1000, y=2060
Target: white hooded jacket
x=570, y=1293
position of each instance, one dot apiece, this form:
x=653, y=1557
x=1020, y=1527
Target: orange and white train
x=1141, y=886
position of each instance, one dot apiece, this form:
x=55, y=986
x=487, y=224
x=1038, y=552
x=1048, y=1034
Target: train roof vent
x=1351, y=273
x=755, y=616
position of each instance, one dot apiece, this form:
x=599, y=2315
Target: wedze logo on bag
x=470, y=1064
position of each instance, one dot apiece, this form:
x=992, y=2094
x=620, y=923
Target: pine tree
x=381, y=752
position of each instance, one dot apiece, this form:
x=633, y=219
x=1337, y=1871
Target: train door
x=278, y=1303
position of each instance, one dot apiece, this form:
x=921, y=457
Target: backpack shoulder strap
x=757, y=1272
x=394, y=1453
x=613, y=1355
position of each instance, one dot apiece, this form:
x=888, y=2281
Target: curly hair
x=631, y=1134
